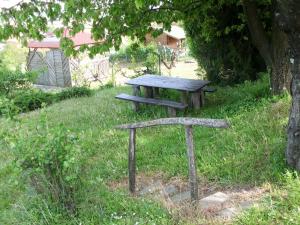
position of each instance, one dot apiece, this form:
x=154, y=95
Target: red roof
x=51, y=41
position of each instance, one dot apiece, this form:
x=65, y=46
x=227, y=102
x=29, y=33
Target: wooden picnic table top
x=176, y=83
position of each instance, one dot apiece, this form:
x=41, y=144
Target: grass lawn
x=249, y=153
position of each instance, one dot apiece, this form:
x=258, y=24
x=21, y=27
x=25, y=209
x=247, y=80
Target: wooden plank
x=156, y=92
x=192, y=163
x=131, y=160
x=196, y=100
x=176, y=83
x=213, y=123
x=171, y=112
x=148, y=92
x=184, y=97
x=152, y=101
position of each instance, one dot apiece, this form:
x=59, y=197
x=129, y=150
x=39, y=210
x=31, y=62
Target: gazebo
x=50, y=62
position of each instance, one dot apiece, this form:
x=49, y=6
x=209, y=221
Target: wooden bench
x=171, y=105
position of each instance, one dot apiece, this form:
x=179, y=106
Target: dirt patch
x=163, y=189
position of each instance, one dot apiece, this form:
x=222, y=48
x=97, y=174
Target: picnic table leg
x=131, y=160
x=192, y=163
x=148, y=92
x=184, y=97
x=136, y=90
x=196, y=100
x=156, y=92
x=202, y=95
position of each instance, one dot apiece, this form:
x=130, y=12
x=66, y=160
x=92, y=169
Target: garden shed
x=49, y=60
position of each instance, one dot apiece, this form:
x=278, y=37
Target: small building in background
x=46, y=58
x=174, y=38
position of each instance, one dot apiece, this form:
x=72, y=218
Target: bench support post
x=171, y=112
x=148, y=92
x=136, y=90
x=156, y=92
x=202, y=95
x=196, y=98
x=192, y=163
x=184, y=97
x=131, y=160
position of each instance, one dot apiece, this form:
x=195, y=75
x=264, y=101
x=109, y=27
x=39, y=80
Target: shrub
x=13, y=80
x=8, y=107
x=31, y=99
x=53, y=159
x=73, y=92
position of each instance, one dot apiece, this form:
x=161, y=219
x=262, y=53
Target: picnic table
x=152, y=84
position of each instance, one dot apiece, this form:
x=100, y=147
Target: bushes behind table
x=73, y=92
x=31, y=99
x=15, y=80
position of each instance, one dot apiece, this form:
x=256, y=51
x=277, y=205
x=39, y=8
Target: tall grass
x=250, y=152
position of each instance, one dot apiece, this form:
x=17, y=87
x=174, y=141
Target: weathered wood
x=176, y=83
x=156, y=92
x=136, y=90
x=196, y=100
x=214, y=123
x=171, y=111
x=184, y=97
x=192, y=163
x=131, y=160
x=148, y=92
x=152, y=101
x=202, y=98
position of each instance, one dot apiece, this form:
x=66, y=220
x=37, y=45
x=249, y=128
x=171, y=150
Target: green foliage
x=31, y=99
x=138, y=55
x=53, y=160
x=13, y=57
x=280, y=207
x=74, y=92
x=220, y=41
x=8, y=108
x=13, y=80
x=249, y=153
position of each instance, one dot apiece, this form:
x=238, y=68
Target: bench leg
x=202, y=96
x=156, y=92
x=184, y=97
x=136, y=90
x=192, y=163
x=196, y=98
x=136, y=106
x=148, y=92
x=171, y=112
x=131, y=160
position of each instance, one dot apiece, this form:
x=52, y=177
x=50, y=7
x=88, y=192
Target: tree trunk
x=280, y=72
x=288, y=18
x=293, y=146
x=274, y=51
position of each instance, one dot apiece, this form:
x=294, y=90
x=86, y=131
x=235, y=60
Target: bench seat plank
x=152, y=101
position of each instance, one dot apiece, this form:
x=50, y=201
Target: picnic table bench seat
x=171, y=105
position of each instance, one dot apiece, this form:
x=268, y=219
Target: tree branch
x=257, y=31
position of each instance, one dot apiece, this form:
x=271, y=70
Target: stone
x=246, y=204
x=227, y=213
x=151, y=188
x=169, y=190
x=213, y=201
x=183, y=196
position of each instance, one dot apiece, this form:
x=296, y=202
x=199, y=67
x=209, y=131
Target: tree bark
x=288, y=18
x=280, y=71
x=274, y=51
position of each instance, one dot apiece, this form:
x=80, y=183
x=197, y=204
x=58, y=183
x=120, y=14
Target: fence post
x=131, y=160
x=192, y=162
